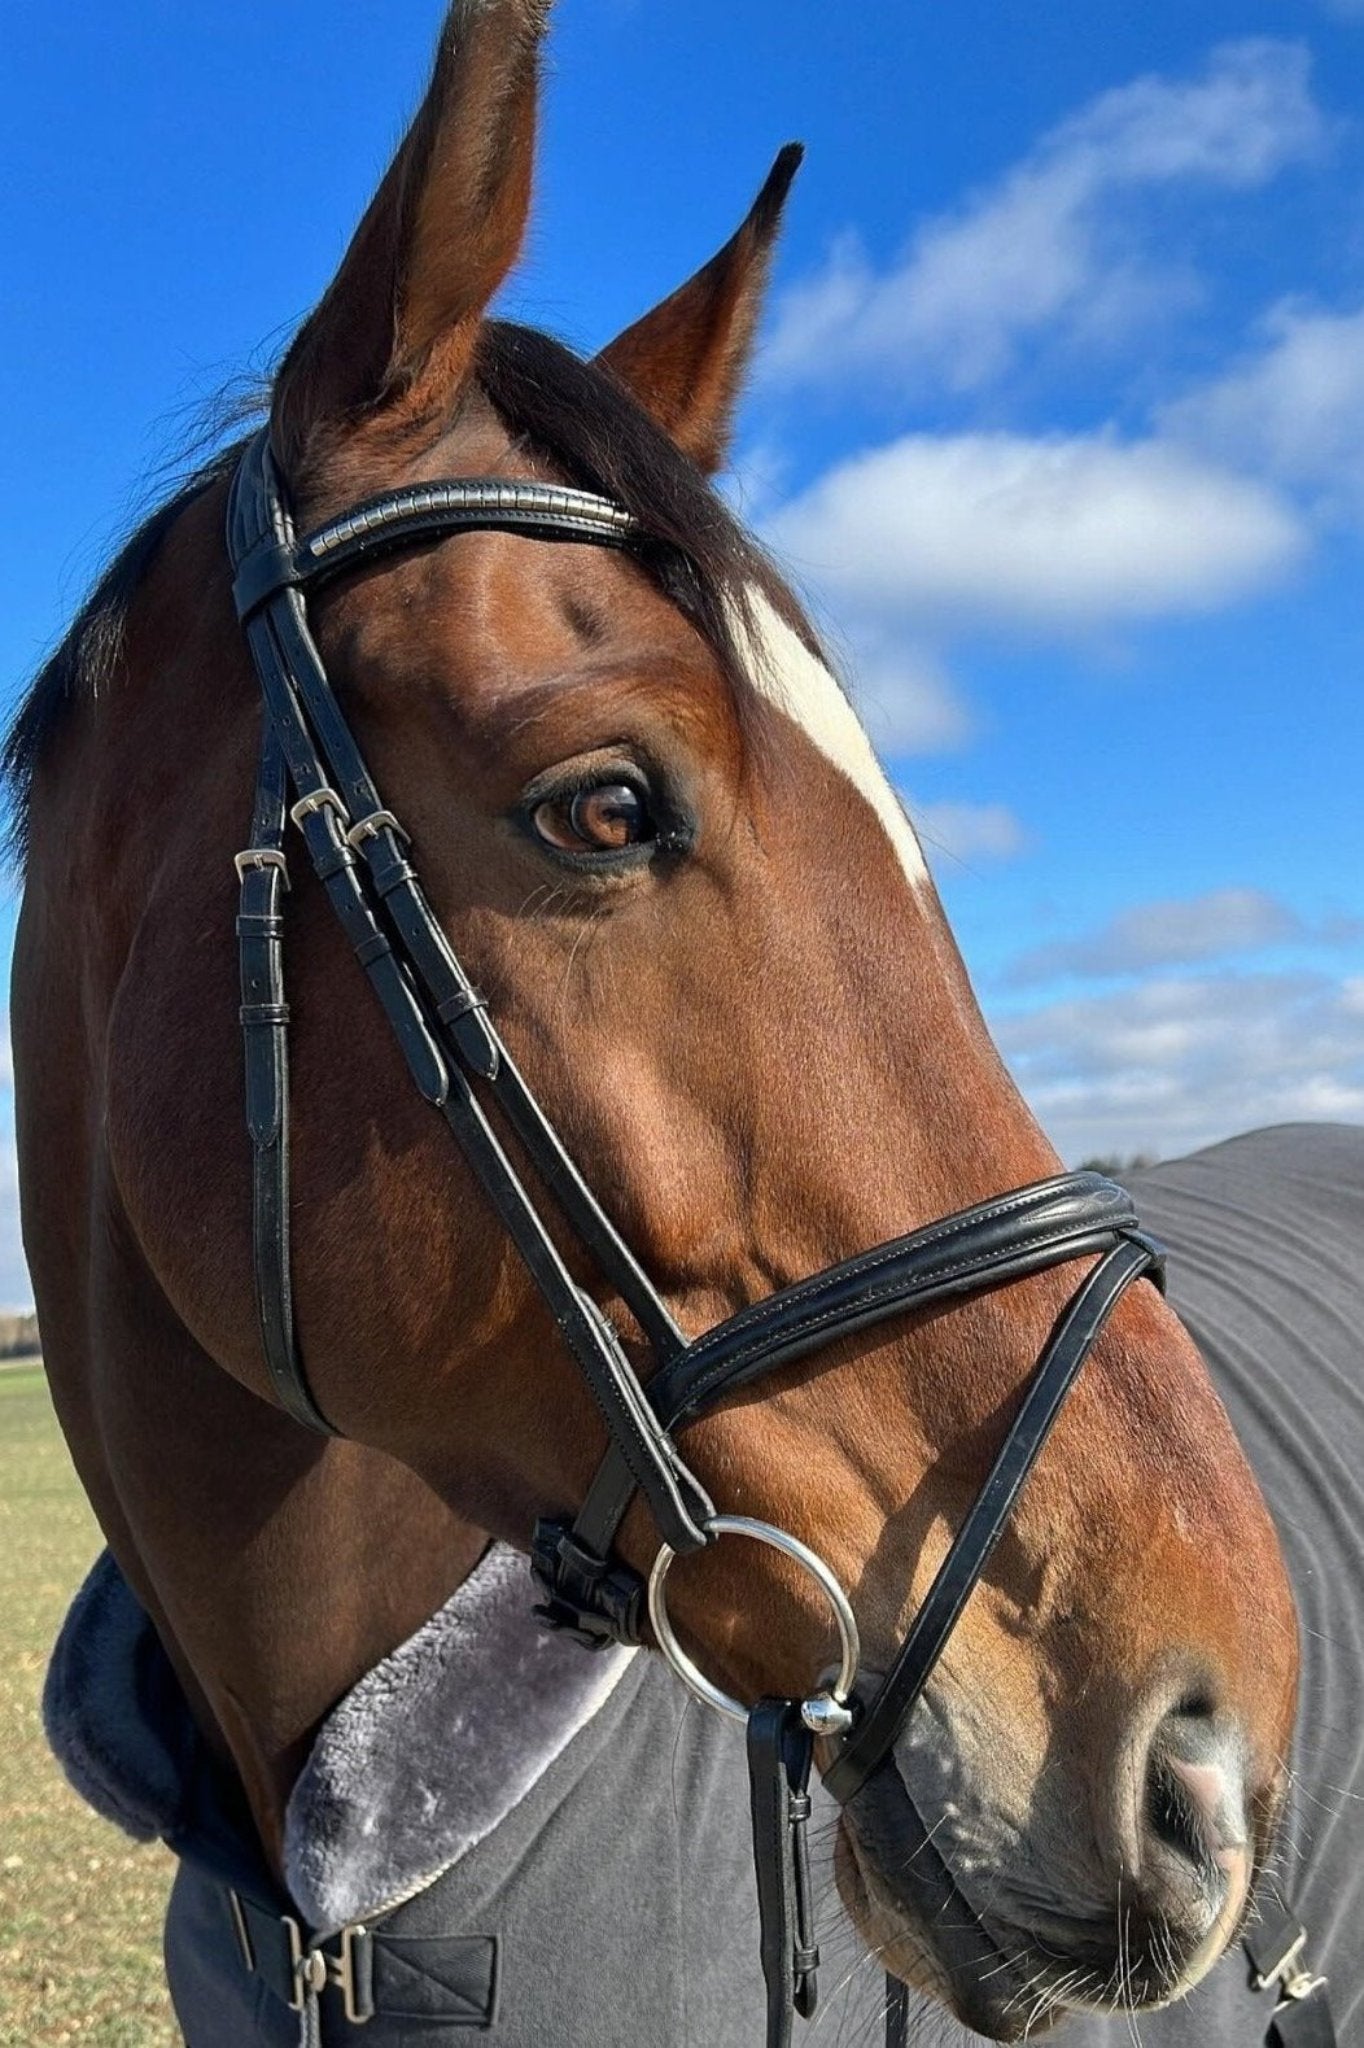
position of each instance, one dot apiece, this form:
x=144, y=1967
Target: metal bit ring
x=826, y=1712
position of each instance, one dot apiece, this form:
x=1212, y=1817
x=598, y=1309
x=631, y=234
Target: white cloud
x=967, y=832
x=1053, y=246
x=1179, y=931
x=1175, y=1064
x=1077, y=532
x=1293, y=407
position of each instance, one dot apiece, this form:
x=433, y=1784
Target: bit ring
x=826, y=1712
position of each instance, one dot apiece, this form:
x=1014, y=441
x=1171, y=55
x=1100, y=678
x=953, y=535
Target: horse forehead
x=476, y=613
x=796, y=682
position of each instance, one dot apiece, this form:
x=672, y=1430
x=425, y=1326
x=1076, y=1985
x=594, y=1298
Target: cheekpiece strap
x=263, y=875
x=359, y=852
x=780, y=1750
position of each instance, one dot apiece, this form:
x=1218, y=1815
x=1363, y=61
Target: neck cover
x=413, y=1768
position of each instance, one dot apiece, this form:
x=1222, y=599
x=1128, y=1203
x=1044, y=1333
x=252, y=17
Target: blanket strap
x=1277, y=1949
x=367, y=1972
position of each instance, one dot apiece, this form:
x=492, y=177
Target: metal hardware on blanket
x=1291, y=1973
x=826, y=1712
x=313, y=1969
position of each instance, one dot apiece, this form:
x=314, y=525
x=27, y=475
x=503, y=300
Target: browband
x=424, y=512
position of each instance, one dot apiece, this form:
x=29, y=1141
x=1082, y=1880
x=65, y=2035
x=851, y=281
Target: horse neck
x=324, y=1581
x=278, y=1567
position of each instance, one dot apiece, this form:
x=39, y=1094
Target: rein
x=313, y=775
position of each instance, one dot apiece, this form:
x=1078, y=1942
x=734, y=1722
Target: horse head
x=653, y=829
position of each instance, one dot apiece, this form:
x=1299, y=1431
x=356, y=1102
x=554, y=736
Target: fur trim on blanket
x=410, y=1770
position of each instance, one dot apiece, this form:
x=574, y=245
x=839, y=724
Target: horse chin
x=959, y=1964
x=1006, y=1983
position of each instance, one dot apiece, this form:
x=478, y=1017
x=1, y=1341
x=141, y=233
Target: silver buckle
x=1293, y=1976
x=373, y=825
x=260, y=857
x=342, y=1972
x=318, y=800
x=313, y=1969
x=301, y=1972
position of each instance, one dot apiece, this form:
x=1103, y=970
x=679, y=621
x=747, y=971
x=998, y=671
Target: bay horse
x=651, y=827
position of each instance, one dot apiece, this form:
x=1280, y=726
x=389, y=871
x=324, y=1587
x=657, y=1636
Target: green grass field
x=80, y=1905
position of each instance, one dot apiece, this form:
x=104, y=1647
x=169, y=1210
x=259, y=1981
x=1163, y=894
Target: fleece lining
x=413, y=1768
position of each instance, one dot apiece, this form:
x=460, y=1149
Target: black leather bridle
x=311, y=771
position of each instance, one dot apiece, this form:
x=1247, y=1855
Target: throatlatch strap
x=265, y=1040
x=780, y=1749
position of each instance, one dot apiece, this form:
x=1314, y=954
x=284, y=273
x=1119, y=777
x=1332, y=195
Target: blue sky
x=1060, y=422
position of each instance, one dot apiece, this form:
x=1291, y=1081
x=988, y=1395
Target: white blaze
x=790, y=677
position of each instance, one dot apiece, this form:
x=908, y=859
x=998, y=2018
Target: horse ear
x=401, y=316
x=685, y=361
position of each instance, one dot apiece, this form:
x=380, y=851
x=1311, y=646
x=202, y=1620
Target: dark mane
x=83, y=666
x=577, y=416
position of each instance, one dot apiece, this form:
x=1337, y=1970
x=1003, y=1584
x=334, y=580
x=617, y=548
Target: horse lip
x=992, y=1991
x=981, y=1980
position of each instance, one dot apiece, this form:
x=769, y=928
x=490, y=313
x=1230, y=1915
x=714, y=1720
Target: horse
x=656, y=940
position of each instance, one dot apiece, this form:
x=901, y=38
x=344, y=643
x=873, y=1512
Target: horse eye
x=606, y=818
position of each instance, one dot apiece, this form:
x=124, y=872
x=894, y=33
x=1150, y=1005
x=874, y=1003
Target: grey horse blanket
x=556, y=1845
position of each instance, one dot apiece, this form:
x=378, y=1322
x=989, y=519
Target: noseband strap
x=313, y=774
x=874, y=1733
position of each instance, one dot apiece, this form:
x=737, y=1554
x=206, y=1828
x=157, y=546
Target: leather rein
x=313, y=775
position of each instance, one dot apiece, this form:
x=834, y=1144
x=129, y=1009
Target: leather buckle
x=260, y=857
x=595, y=1601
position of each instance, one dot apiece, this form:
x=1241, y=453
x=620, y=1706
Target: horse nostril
x=1195, y=1798
x=1180, y=1803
